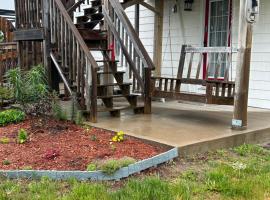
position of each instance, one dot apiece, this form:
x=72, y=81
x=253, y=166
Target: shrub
x=29, y=87
x=109, y=167
x=22, y=136
x=5, y=94
x=6, y=162
x=4, y=140
x=91, y=167
x=11, y=116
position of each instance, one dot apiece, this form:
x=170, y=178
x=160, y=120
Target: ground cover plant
x=11, y=116
x=239, y=173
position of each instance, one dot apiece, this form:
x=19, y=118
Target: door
x=217, y=25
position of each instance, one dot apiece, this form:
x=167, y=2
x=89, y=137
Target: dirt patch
x=57, y=145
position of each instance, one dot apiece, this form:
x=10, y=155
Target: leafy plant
x=91, y=167
x=118, y=137
x=6, y=162
x=28, y=87
x=27, y=168
x=4, y=140
x=5, y=94
x=109, y=167
x=11, y=116
x=93, y=138
x=22, y=136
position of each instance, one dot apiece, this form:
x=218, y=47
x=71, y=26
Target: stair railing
x=74, y=55
x=129, y=48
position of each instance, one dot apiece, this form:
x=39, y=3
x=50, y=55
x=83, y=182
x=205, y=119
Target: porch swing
x=204, y=75
x=213, y=86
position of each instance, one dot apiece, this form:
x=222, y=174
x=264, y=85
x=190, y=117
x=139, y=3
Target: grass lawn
x=239, y=173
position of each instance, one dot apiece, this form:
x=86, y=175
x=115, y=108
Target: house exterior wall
x=188, y=28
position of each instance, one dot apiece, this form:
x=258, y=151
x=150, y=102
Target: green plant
x=28, y=87
x=93, y=138
x=118, y=137
x=109, y=167
x=5, y=94
x=27, y=168
x=4, y=140
x=11, y=116
x=6, y=162
x=246, y=149
x=91, y=167
x=22, y=136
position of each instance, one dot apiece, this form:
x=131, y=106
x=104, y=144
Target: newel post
x=147, y=91
x=47, y=40
x=248, y=14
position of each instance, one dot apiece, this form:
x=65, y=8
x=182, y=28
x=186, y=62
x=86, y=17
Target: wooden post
x=243, y=70
x=158, y=33
x=147, y=93
x=47, y=41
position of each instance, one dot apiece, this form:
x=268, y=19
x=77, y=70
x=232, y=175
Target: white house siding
x=188, y=28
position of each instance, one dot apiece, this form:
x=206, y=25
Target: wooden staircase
x=99, y=84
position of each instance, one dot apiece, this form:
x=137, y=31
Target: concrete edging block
x=94, y=175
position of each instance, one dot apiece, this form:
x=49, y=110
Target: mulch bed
x=58, y=145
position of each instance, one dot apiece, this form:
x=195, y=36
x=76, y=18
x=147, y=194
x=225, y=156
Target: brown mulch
x=58, y=145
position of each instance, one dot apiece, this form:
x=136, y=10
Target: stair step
x=89, y=25
x=96, y=3
x=99, y=49
x=109, y=61
x=90, y=11
x=118, y=96
x=115, y=84
x=92, y=35
x=82, y=19
x=119, y=108
x=96, y=16
x=120, y=72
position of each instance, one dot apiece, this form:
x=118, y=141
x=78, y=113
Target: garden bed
x=64, y=146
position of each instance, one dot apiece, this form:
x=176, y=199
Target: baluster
x=199, y=66
x=190, y=65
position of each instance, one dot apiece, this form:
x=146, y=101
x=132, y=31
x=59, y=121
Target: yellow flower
x=114, y=139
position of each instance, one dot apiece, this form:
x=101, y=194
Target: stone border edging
x=95, y=175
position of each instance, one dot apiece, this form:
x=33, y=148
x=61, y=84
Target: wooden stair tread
x=107, y=61
x=118, y=72
x=118, y=96
x=118, y=108
x=114, y=84
x=99, y=49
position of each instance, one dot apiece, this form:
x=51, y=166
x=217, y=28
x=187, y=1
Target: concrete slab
x=191, y=127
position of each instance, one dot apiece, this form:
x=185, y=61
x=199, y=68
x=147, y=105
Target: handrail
x=61, y=73
x=75, y=6
x=141, y=51
x=75, y=56
x=125, y=51
x=76, y=33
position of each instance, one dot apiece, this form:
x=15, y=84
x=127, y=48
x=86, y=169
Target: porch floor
x=193, y=128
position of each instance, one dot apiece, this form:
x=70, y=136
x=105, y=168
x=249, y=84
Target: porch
x=192, y=127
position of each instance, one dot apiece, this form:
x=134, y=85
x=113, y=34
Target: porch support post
x=243, y=70
x=158, y=33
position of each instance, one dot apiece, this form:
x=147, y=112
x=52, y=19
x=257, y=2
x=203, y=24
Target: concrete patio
x=194, y=128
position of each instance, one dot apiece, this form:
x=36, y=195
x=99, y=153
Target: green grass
x=240, y=173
